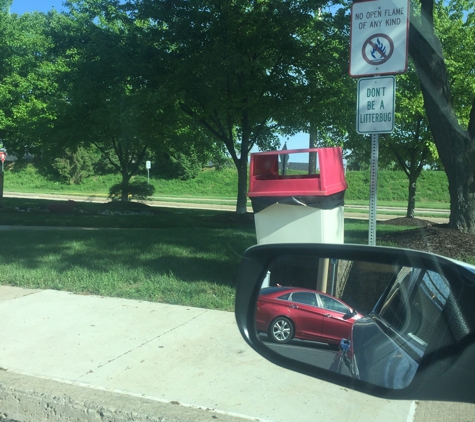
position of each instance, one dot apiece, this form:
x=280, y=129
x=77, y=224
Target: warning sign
x=378, y=49
x=379, y=37
x=375, y=108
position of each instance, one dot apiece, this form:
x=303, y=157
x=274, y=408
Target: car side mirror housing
x=393, y=323
x=349, y=314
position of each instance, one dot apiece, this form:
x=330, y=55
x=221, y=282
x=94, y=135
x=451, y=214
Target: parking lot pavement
x=179, y=357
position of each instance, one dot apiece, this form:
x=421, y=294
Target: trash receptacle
x=293, y=203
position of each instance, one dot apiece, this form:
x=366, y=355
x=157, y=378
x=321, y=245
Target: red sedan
x=285, y=313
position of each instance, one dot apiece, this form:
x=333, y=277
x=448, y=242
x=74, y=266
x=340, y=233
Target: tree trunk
x=312, y=143
x=462, y=192
x=241, y=164
x=125, y=187
x=455, y=145
x=411, y=202
x=241, y=204
x=2, y=174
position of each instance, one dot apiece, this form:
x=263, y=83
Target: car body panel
x=305, y=308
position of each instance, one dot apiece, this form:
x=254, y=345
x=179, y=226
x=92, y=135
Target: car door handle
x=294, y=306
x=328, y=316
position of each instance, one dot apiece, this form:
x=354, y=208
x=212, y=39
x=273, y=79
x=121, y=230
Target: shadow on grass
x=197, y=254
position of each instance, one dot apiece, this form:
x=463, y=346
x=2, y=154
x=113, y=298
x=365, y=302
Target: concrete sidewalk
x=72, y=357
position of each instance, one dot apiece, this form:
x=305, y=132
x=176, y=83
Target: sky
x=22, y=6
x=298, y=141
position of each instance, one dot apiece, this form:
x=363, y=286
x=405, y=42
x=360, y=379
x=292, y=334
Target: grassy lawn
x=177, y=256
x=185, y=257
x=402, y=204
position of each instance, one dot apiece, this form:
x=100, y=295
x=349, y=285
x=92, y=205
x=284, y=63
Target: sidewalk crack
x=144, y=343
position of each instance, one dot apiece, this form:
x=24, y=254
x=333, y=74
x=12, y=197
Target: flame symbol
x=379, y=49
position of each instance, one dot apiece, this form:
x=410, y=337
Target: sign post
x=3, y=155
x=373, y=189
x=148, y=165
x=374, y=115
x=378, y=46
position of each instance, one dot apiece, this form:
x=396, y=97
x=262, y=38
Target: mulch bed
x=426, y=236
x=435, y=238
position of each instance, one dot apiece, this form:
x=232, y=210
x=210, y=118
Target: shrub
x=136, y=190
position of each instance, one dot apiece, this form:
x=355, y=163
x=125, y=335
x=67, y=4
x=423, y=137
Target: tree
x=326, y=105
x=238, y=67
x=108, y=101
x=26, y=79
x=5, y=5
x=411, y=141
x=447, y=78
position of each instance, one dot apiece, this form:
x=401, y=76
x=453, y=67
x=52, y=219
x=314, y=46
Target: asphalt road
x=313, y=353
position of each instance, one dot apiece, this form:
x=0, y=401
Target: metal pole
x=322, y=280
x=2, y=174
x=373, y=192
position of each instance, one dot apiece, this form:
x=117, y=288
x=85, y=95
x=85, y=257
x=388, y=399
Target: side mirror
x=350, y=314
x=413, y=336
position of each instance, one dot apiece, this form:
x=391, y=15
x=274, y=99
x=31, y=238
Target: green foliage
x=392, y=186
x=178, y=166
x=241, y=68
x=73, y=167
x=108, y=101
x=209, y=183
x=184, y=153
x=27, y=80
x=221, y=161
x=454, y=23
x=136, y=190
x=5, y=5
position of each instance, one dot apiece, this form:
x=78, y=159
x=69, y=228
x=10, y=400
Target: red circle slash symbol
x=378, y=49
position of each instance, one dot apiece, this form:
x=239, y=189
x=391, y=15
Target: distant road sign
x=375, y=108
x=379, y=37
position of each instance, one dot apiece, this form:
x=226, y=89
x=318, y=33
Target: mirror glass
x=365, y=320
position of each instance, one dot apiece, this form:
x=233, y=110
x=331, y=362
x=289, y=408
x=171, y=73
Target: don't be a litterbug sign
x=375, y=106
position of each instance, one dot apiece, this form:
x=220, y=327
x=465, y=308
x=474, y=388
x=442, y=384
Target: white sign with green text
x=375, y=106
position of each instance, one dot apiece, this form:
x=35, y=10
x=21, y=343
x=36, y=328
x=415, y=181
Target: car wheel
x=281, y=330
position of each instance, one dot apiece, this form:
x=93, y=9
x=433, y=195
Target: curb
x=30, y=399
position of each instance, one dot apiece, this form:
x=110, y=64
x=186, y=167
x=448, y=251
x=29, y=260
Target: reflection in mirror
x=370, y=321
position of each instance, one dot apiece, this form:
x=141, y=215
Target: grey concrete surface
x=32, y=399
x=444, y=411
x=64, y=355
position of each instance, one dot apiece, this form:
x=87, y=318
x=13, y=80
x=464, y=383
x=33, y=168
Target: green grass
x=177, y=256
x=210, y=183
x=432, y=188
x=178, y=264
x=89, y=214
x=400, y=204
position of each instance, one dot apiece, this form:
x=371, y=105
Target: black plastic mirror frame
x=433, y=381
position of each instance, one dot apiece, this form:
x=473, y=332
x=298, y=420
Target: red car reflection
x=285, y=313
